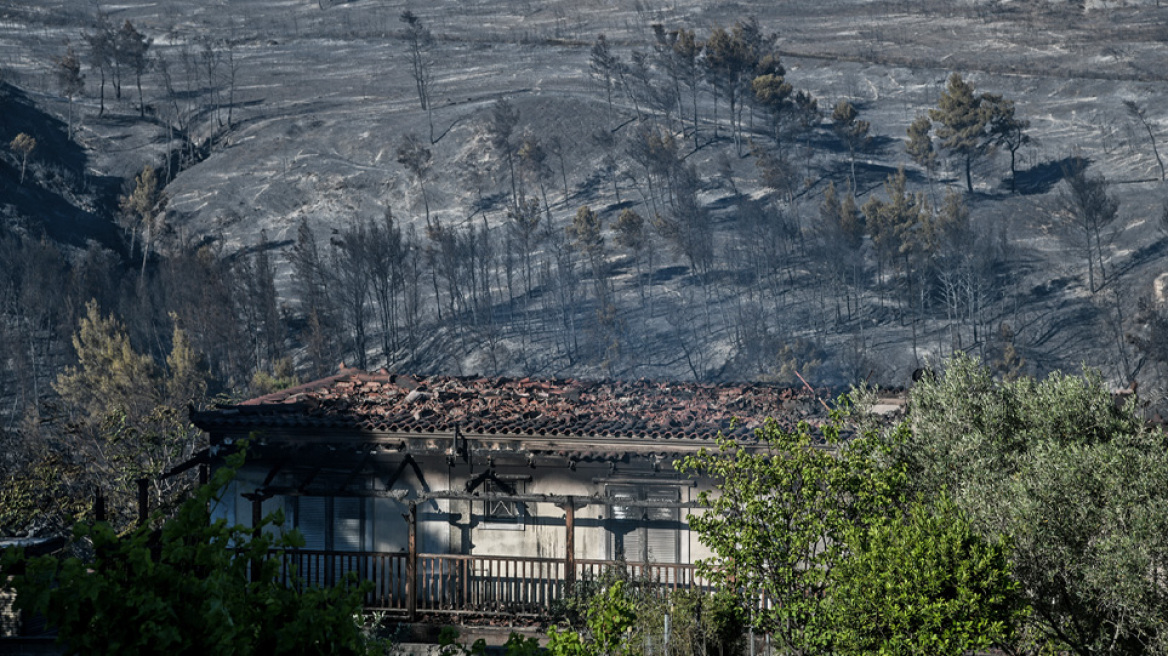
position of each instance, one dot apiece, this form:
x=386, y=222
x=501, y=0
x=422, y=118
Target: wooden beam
x=200, y=458
x=360, y=465
x=489, y=475
x=272, y=473
x=288, y=491
x=570, y=546
x=559, y=499
x=257, y=518
x=143, y=500
x=99, y=506
x=308, y=481
x=412, y=565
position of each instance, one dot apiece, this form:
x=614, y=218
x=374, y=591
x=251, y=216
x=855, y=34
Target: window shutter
x=312, y=521
x=625, y=535
x=347, y=524
x=661, y=531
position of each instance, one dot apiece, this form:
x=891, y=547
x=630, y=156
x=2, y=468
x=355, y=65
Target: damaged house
x=484, y=494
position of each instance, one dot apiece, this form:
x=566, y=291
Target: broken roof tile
x=638, y=409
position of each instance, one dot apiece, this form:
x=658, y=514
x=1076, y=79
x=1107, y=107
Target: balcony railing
x=450, y=583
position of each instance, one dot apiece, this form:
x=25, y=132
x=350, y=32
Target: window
x=330, y=523
x=644, y=534
x=337, y=526
x=503, y=513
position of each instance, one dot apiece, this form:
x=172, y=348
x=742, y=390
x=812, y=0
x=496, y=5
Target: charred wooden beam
x=408, y=461
x=272, y=474
x=200, y=458
x=570, y=545
x=489, y=475
x=289, y=491
x=558, y=499
x=360, y=465
x=412, y=565
x=308, y=481
x=143, y=500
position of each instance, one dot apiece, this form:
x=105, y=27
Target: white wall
x=542, y=534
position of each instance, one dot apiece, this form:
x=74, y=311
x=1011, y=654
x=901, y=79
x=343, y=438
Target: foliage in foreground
x=700, y=623
x=187, y=589
x=123, y=418
x=923, y=582
x=778, y=521
x=1074, y=479
x=816, y=522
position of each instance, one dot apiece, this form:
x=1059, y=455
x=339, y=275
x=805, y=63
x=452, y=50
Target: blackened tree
x=69, y=79
x=130, y=51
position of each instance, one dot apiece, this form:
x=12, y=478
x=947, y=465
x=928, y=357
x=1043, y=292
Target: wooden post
x=99, y=506
x=569, y=547
x=257, y=514
x=257, y=518
x=204, y=474
x=143, y=500
x=412, y=565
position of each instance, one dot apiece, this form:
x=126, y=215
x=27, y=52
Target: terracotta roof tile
x=640, y=409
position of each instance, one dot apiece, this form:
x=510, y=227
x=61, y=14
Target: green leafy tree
x=1074, y=479
x=609, y=617
x=964, y=122
x=110, y=374
x=630, y=230
x=843, y=217
x=923, y=582
x=901, y=227
x=777, y=521
x=199, y=587
x=129, y=414
x=585, y=230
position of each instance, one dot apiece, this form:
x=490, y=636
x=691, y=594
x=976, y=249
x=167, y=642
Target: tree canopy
x=1073, y=479
x=192, y=588
x=923, y=582
x=779, y=517
x=970, y=125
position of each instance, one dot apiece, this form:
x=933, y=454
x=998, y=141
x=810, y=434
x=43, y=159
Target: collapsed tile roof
x=403, y=404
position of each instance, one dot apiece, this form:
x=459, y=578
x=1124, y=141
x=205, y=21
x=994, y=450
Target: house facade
x=486, y=492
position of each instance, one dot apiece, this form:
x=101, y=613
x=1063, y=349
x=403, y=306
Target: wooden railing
x=450, y=583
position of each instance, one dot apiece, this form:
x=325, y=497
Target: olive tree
x=1074, y=479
